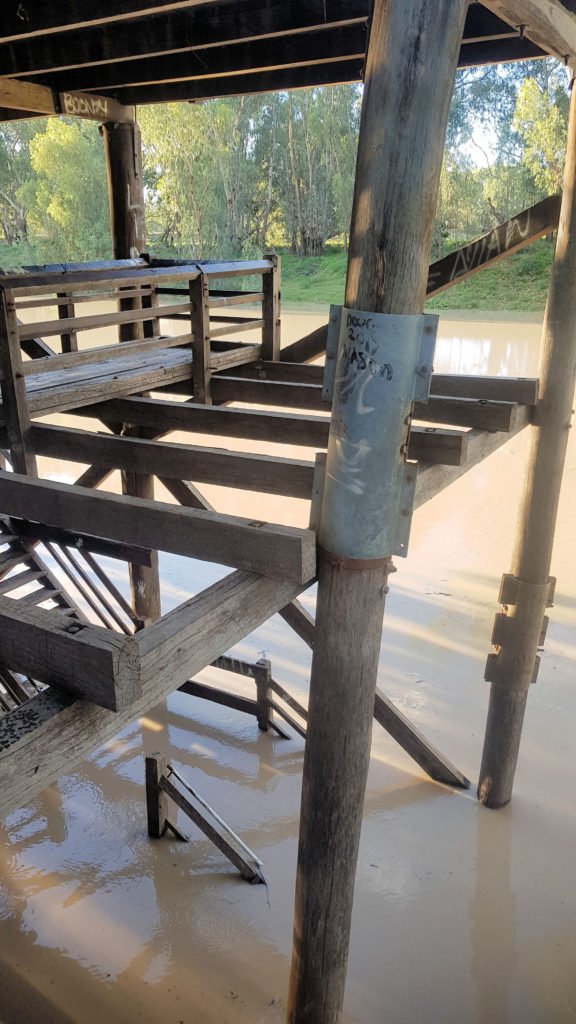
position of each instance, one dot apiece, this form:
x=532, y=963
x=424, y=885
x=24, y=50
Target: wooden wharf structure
x=180, y=361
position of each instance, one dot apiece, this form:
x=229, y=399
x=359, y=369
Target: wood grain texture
x=548, y=24
x=93, y=663
x=280, y=551
x=409, y=79
x=430, y=759
x=538, y=507
x=53, y=732
x=97, y=382
x=479, y=445
x=264, y=473
x=16, y=413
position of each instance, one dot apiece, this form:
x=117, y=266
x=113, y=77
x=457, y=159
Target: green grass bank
x=518, y=283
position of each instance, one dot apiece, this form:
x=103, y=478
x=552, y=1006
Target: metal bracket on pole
x=514, y=663
x=384, y=364
x=332, y=343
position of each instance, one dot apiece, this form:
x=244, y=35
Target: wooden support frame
x=14, y=401
x=548, y=24
x=96, y=664
x=502, y=241
x=264, y=473
x=200, y=326
x=39, y=100
x=513, y=666
x=271, y=311
x=410, y=70
x=250, y=871
x=52, y=732
x=277, y=551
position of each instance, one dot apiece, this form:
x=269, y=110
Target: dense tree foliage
x=238, y=176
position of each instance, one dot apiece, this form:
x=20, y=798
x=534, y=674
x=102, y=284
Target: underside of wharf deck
x=73, y=670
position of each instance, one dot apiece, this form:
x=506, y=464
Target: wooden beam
x=52, y=733
x=42, y=18
x=223, y=697
x=479, y=445
x=550, y=25
x=523, y=390
x=96, y=664
x=300, y=620
x=304, y=76
x=459, y=411
x=264, y=473
x=513, y=235
x=15, y=410
x=409, y=80
x=507, y=238
x=213, y=25
x=81, y=541
x=239, y=57
x=511, y=669
x=164, y=416
x=40, y=100
x=434, y=763
x=279, y=551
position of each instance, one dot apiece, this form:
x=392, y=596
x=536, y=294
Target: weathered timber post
x=126, y=192
x=262, y=677
x=156, y=799
x=527, y=592
x=271, y=310
x=411, y=66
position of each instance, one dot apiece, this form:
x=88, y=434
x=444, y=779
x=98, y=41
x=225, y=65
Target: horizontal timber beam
x=433, y=479
x=169, y=33
x=523, y=390
x=164, y=416
x=81, y=541
x=545, y=22
x=42, y=18
x=256, y=55
x=426, y=444
x=304, y=76
x=278, y=551
x=95, y=664
x=481, y=413
x=51, y=733
x=40, y=100
x=264, y=473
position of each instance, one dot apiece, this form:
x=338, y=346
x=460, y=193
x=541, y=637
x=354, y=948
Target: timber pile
x=202, y=381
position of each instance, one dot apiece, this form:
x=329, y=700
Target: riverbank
x=518, y=284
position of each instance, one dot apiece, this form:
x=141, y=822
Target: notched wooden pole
x=518, y=634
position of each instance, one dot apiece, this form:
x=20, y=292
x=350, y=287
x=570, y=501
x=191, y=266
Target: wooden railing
x=146, y=292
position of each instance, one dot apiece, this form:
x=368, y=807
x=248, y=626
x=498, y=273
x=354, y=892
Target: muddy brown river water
x=462, y=915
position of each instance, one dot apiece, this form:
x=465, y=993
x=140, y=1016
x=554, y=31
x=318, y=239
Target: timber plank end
x=88, y=662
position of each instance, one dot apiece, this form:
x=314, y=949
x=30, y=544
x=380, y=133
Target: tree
x=15, y=172
x=540, y=118
x=70, y=208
